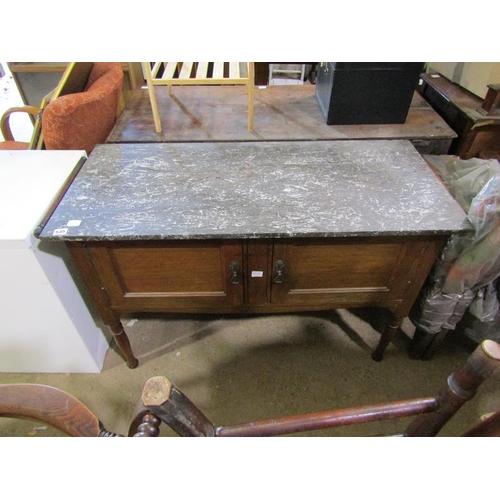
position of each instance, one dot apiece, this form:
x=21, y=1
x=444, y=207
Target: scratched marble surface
x=254, y=189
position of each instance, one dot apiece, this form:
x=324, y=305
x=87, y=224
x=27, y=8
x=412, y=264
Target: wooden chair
x=167, y=403
x=161, y=401
x=51, y=406
x=197, y=73
x=78, y=114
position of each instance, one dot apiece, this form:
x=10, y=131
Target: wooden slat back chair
x=197, y=73
x=161, y=402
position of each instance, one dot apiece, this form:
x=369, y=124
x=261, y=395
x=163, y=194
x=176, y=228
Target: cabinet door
x=349, y=272
x=170, y=276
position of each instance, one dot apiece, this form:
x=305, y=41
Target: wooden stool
x=198, y=73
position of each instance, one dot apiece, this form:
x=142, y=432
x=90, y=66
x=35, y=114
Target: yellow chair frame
x=197, y=73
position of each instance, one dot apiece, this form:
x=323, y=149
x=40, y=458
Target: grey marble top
x=254, y=189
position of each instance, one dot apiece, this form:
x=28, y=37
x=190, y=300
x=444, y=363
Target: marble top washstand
x=254, y=190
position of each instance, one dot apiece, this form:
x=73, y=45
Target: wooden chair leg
x=250, y=89
x=436, y=343
x=171, y=406
x=461, y=386
x=146, y=69
x=420, y=343
x=424, y=345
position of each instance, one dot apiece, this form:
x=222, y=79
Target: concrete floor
x=242, y=369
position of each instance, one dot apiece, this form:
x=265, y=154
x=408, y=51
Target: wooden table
x=254, y=227
x=477, y=130
x=282, y=113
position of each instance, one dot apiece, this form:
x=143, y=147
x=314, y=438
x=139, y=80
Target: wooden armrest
x=51, y=406
x=4, y=123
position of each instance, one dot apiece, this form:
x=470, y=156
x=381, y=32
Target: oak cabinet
x=254, y=227
x=175, y=276
x=261, y=275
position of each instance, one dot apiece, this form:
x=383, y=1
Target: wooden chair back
x=51, y=406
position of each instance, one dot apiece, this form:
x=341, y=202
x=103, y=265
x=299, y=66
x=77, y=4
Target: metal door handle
x=235, y=273
x=279, y=269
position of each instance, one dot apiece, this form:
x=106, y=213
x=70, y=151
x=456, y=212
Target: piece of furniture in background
x=464, y=280
x=78, y=114
x=255, y=227
x=85, y=119
x=262, y=71
x=286, y=74
x=285, y=113
x=161, y=401
x=197, y=73
x=73, y=80
x=476, y=121
x=35, y=80
x=9, y=142
x=363, y=93
x=46, y=326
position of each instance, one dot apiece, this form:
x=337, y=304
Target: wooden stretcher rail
x=329, y=419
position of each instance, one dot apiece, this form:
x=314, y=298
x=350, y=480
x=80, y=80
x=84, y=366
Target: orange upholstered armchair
x=77, y=120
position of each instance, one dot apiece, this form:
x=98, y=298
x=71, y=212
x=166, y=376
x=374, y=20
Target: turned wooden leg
x=423, y=345
x=438, y=341
x=461, y=386
x=150, y=426
x=388, y=334
x=82, y=254
x=123, y=344
x=419, y=344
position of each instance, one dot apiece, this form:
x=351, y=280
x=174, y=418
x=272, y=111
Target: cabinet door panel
x=169, y=270
x=316, y=271
x=171, y=275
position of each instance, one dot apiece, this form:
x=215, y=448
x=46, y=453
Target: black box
x=354, y=93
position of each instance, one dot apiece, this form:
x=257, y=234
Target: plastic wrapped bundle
x=464, y=276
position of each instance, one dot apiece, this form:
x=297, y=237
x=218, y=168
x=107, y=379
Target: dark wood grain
x=282, y=112
x=460, y=387
x=51, y=406
x=476, y=122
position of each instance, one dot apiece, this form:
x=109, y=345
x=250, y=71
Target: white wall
x=473, y=76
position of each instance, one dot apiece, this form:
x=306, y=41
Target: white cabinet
x=47, y=323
